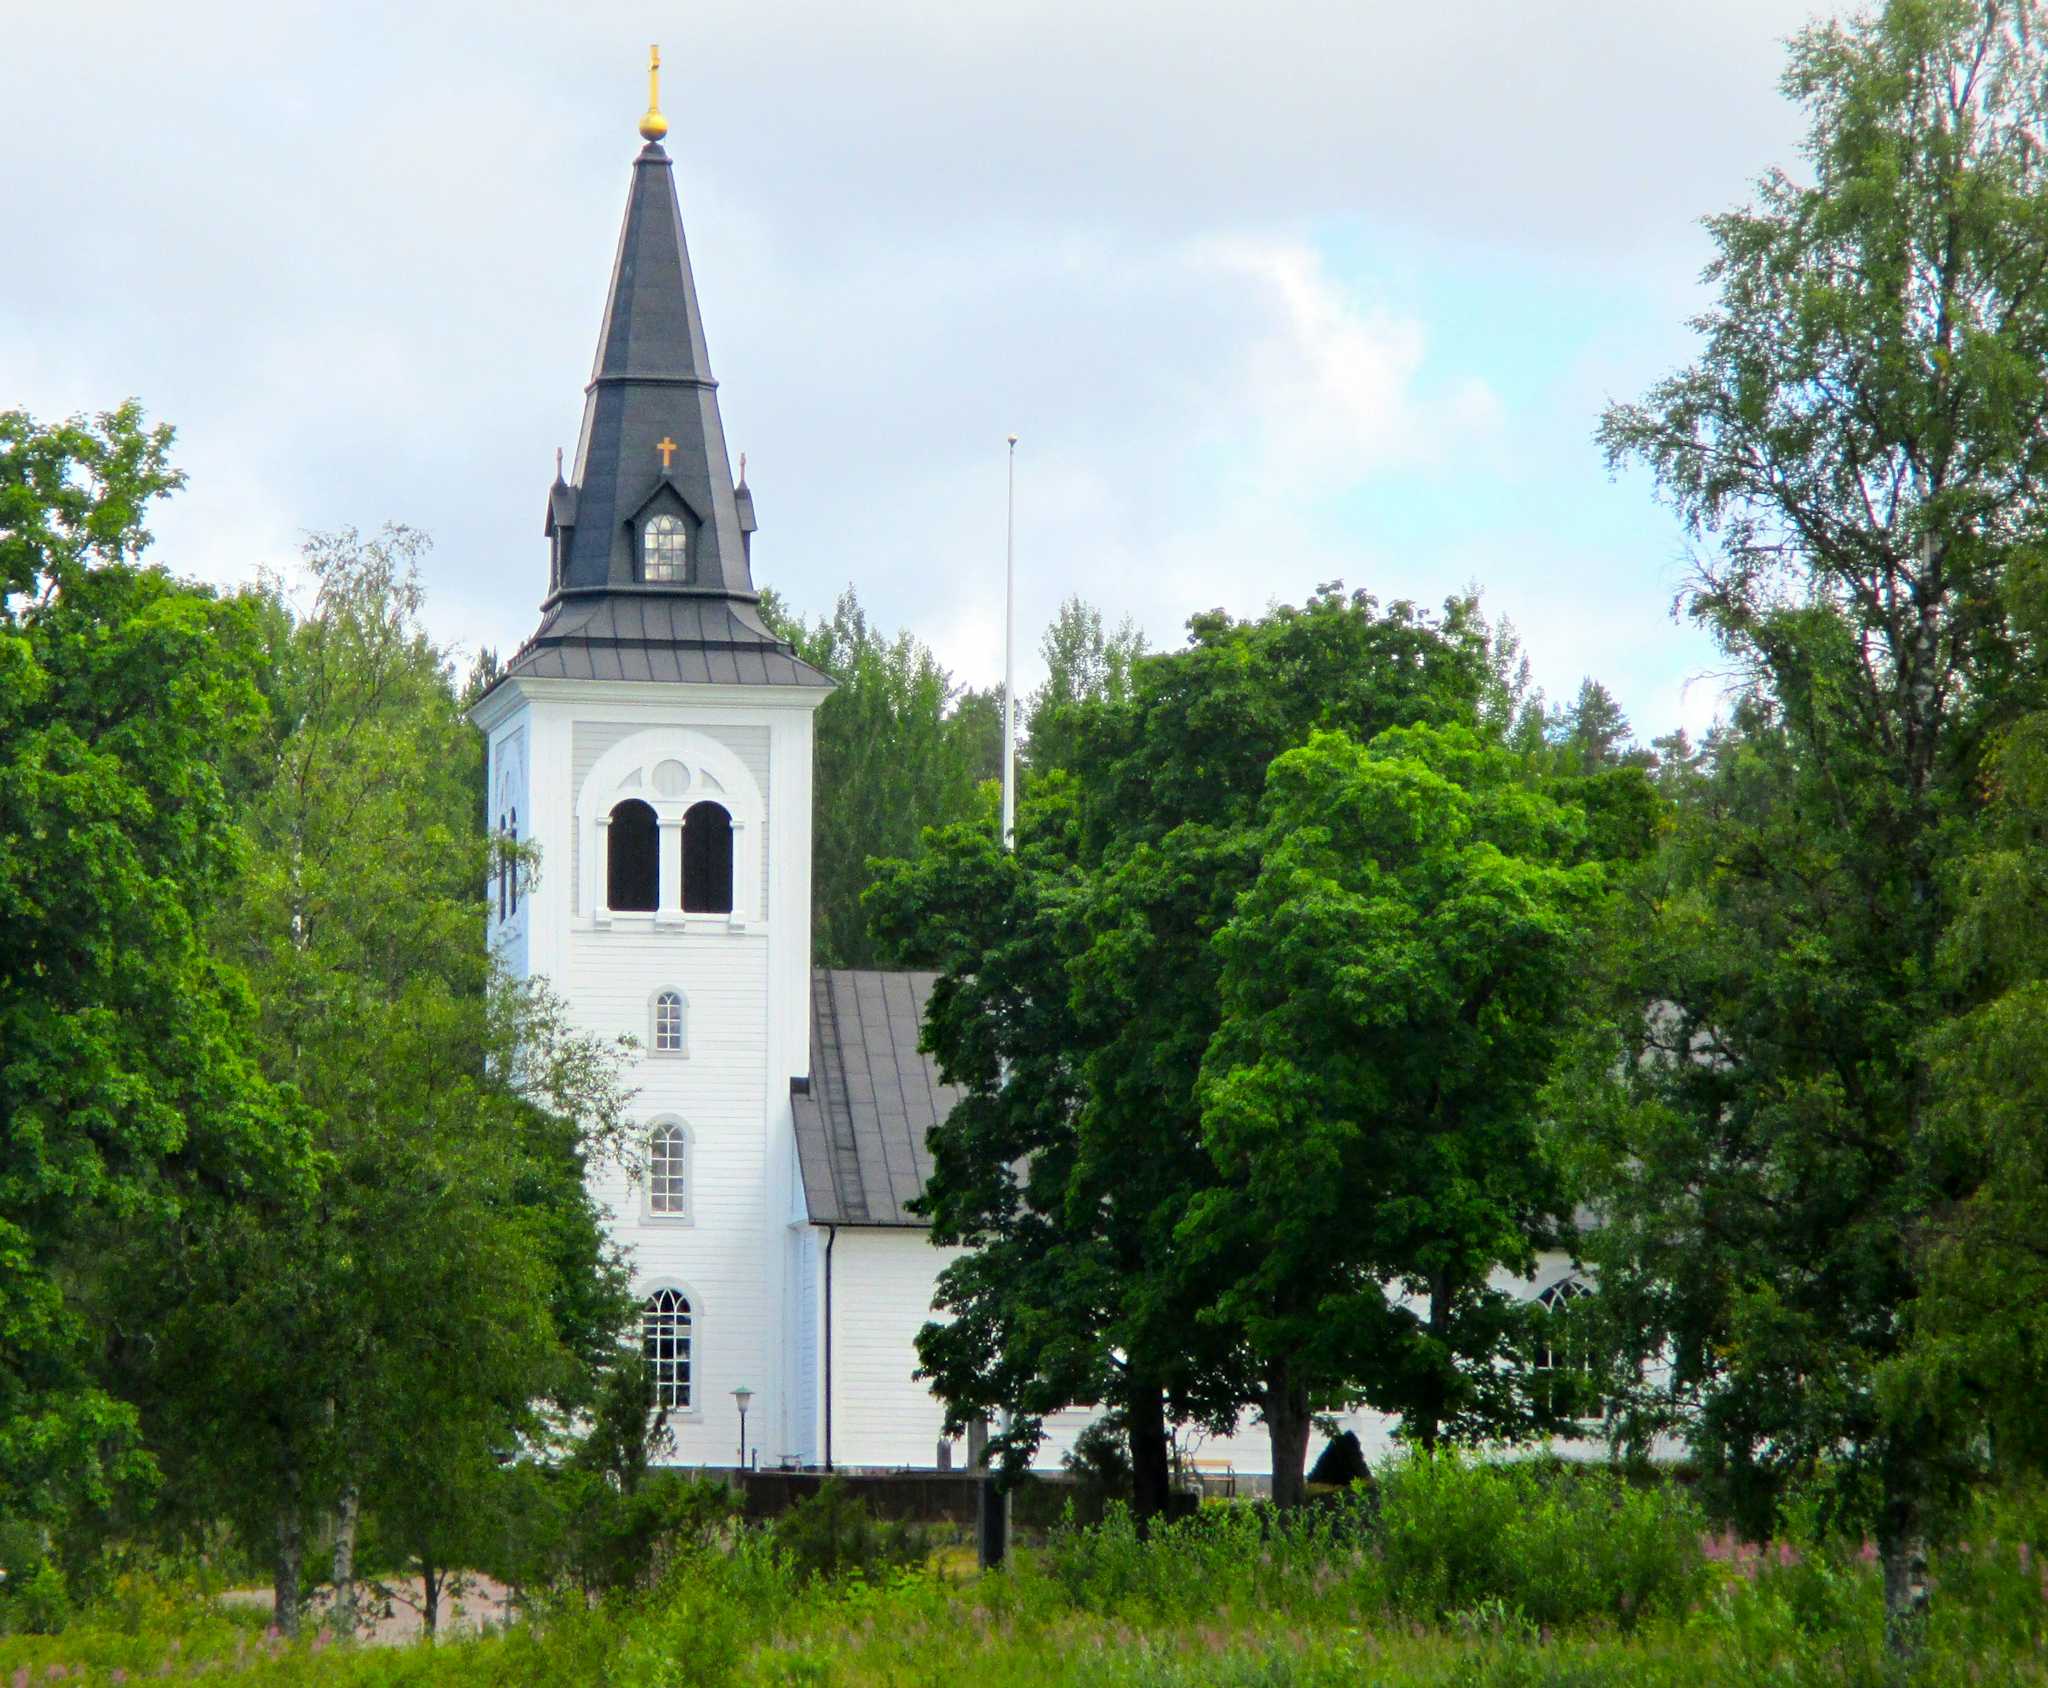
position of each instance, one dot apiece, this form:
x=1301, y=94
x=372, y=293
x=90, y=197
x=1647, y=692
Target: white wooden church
x=654, y=740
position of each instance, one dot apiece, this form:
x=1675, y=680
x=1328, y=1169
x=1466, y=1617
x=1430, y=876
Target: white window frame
x=715, y=774
x=687, y=1144
x=681, y=1052
x=695, y=1302
x=665, y=536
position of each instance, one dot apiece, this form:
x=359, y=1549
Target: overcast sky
x=1274, y=294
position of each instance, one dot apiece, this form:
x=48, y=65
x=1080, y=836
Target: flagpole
x=1010, y=660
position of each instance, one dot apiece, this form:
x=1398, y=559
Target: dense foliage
x=1210, y=1135
x=1817, y=1068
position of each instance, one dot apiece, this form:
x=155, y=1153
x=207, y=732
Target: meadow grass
x=1460, y=1578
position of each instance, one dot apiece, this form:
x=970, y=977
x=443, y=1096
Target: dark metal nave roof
x=860, y=1132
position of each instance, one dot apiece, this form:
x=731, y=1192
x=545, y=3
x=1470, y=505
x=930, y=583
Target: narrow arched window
x=668, y=1023
x=1566, y=1382
x=512, y=867
x=707, y=860
x=633, y=859
x=665, y=1341
x=665, y=549
x=668, y=1188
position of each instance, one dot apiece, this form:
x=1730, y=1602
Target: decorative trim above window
x=704, y=811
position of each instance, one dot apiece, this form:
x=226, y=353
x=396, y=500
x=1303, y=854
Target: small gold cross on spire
x=667, y=448
x=653, y=126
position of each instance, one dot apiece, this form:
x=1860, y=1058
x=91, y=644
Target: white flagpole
x=1010, y=661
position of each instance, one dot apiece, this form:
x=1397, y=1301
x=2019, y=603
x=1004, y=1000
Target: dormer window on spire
x=665, y=549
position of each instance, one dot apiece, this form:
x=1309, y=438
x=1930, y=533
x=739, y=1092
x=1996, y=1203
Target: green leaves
x=1394, y=987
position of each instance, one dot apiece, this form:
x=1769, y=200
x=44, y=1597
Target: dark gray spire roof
x=652, y=446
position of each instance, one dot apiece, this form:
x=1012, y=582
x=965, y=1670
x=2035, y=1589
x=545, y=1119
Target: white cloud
x=1333, y=386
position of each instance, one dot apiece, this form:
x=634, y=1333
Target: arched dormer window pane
x=668, y=1023
x=633, y=859
x=665, y=1341
x=707, y=860
x=665, y=549
x=667, y=1185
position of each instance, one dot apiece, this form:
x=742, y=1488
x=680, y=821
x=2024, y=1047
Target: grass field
x=1474, y=1580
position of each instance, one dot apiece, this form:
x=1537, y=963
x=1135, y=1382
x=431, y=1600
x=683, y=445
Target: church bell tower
x=653, y=740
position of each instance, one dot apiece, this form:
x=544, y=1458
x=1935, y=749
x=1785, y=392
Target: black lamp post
x=743, y=1395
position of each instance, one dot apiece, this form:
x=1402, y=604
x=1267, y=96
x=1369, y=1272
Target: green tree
x=1593, y=733
x=1857, y=448
x=1085, y=663
x=1978, y=1332
x=891, y=760
x=446, y=1285
x=1394, y=989
x=127, y=1094
x=1080, y=990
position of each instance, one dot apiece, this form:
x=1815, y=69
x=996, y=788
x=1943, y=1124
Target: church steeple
x=650, y=574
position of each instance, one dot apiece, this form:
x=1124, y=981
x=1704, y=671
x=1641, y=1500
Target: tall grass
x=1448, y=1575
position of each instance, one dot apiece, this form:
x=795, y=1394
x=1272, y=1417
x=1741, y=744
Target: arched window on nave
x=665, y=1333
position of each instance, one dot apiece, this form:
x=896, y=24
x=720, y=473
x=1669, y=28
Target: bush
x=833, y=1534
x=579, y=1527
x=1559, y=1544
x=38, y=1603
x=1101, y=1461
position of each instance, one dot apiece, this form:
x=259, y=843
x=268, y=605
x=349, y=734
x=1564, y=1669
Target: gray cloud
x=358, y=255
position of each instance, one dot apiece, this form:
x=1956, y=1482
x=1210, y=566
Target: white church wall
x=882, y=1415
x=746, y=988
x=882, y=1282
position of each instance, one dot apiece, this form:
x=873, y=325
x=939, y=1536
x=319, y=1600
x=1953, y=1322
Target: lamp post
x=742, y=1395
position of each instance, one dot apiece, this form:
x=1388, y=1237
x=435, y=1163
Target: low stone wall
x=919, y=1497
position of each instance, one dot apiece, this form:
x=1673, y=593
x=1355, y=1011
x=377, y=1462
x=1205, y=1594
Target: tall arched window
x=668, y=1183
x=512, y=867
x=504, y=871
x=665, y=549
x=665, y=1341
x=669, y=1024
x=633, y=859
x=1564, y=1359
x=707, y=860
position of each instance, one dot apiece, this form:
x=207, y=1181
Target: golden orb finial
x=653, y=126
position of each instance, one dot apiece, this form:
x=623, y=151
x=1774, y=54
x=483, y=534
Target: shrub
x=833, y=1534
x=38, y=1603
x=1559, y=1544
x=1101, y=1460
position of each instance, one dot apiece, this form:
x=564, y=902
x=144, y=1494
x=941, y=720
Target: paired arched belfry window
x=633, y=858
x=665, y=1341
x=665, y=549
x=707, y=860
x=508, y=867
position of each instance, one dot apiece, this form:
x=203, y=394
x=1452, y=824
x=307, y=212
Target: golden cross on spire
x=667, y=448
x=653, y=126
